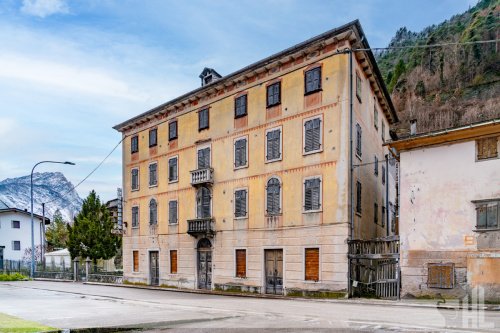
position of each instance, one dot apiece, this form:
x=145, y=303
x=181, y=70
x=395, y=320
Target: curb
x=443, y=306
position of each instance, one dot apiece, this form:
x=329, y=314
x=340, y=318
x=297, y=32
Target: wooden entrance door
x=154, y=269
x=274, y=271
x=204, y=264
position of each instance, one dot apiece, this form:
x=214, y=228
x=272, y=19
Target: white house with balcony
x=15, y=232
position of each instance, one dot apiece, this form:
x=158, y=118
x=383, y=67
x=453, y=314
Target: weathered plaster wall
x=437, y=217
x=326, y=229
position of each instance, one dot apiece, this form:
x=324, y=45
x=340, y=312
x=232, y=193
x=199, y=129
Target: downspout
x=351, y=170
x=387, y=193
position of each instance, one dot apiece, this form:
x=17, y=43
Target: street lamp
x=32, y=268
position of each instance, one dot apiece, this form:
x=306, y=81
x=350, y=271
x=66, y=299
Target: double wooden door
x=274, y=271
x=205, y=268
x=154, y=269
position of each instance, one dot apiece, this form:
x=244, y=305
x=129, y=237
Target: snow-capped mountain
x=51, y=188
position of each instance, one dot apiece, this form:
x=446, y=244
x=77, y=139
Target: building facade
x=15, y=232
x=450, y=212
x=246, y=183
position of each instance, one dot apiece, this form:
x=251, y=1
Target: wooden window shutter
x=241, y=263
x=204, y=199
x=441, y=275
x=358, y=140
x=173, y=261
x=172, y=130
x=172, y=169
x=135, y=178
x=172, y=212
x=358, y=197
x=240, y=204
x=312, y=189
x=383, y=175
x=135, y=255
x=376, y=166
x=240, y=152
x=273, y=196
x=312, y=264
x=487, y=148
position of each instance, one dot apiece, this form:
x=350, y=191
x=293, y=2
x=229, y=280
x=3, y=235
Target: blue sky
x=71, y=69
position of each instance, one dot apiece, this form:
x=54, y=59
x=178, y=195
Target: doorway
x=154, y=269
x=274, y=271
x=204, y=264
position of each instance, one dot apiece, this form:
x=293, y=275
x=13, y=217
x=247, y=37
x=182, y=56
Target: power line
x=91, y=172
x=428, y=45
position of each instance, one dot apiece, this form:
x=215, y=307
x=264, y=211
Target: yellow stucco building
x=245, y=183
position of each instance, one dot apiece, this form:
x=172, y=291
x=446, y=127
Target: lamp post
x=32, y=268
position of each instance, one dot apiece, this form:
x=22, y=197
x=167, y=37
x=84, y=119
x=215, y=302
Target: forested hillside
x=450, y=85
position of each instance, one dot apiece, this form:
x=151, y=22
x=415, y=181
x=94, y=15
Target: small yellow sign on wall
x=469, y=240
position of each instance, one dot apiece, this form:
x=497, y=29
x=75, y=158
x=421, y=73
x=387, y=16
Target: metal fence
x=14, y=266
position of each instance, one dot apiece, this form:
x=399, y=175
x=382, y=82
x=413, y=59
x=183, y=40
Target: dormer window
x=208, y=76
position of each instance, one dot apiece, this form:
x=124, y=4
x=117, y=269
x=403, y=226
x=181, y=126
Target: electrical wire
x=427, y=46
x=91, y=172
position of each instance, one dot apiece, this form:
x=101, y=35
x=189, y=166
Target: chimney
x=413, y=127
x=209, y=75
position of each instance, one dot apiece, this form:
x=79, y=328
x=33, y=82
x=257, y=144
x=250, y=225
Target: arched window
x=153, y=212
x=203, y=202
x=273, y=196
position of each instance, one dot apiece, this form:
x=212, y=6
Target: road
x=73, y=305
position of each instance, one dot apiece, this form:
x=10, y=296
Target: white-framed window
x=375, y=115
x=273, y=196
x=153, y=174
x=241, y=152
x=134, y=179
x=203, y=202
x=240, y=203
x=312, y=194
x=203, y=157
x=173, y=212
x=173, y=167
x=274, y=144
x=135, y=216
x=487, y=214
x=313, y=135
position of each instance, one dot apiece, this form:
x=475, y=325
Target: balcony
x=201, y=227
x=202, y=176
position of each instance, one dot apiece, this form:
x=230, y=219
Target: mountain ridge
x=51, y=188
x=451, y=85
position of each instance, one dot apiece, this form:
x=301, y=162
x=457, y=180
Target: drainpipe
x=387, y=193
x=351, y=167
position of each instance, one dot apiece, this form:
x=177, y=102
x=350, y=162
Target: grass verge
x=11, y=324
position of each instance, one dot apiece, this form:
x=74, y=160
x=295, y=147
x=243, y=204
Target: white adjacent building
x=15, y=232
x=449, y=222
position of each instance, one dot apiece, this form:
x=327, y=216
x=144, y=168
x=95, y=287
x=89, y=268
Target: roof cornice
x=330, y=36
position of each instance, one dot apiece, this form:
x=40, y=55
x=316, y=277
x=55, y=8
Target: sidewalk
x=451, y=304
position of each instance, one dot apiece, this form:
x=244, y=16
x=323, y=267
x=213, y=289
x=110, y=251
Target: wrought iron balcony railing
x=201, y=227
x=202, y=176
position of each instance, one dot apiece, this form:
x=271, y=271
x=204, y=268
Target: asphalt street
x=75, y=305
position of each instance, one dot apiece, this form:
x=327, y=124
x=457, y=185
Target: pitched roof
x=447, y=136
x=25, y=212
x=353, y=26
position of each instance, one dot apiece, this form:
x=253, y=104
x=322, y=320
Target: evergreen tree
x=90, y=236
x=57, y=232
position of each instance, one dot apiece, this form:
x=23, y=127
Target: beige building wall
x=294, y=229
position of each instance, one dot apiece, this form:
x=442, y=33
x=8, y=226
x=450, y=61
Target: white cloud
x=65, y=76
x=44, y=8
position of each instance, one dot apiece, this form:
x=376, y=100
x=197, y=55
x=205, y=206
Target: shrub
x=12, y=277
